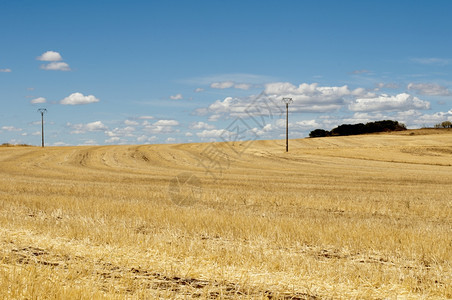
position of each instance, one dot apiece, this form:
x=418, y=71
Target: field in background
x=360, y=216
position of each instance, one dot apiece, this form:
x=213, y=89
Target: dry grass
x=341, y=217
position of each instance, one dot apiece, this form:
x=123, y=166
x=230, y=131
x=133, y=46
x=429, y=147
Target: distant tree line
x=445, y=124
x=14, y=145
x=355, y=129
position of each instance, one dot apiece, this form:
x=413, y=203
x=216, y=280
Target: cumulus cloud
x=131, y=123
x=146, y=139
x=11, y=128
x=176, y=97
x=429, y=89
x=114, y=140
x=78, y=98
x=312, y=97
x=385, y=102
x=199, y=90
x=362, y=117
x=214, y=133
x=89, y=127
x=55, y=61
x=121, y=132
x=201, y=125
x=5, y=70
x=56, y=66
x=161, y=126
x=166, y=123
x=38, y=100
x=50, y=56
x=250, y=106
x=414, y=118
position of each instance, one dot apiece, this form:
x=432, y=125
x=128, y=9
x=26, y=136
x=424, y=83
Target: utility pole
x=42, y=111
x=287, y=101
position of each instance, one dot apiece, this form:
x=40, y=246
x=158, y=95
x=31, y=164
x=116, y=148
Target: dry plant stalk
x=340, y=217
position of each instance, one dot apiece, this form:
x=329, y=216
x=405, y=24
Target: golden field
x=339, y=217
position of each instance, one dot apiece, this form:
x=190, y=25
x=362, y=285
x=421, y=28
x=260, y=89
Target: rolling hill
x=358, y=216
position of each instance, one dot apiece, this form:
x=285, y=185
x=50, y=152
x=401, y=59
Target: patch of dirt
x=109, y=274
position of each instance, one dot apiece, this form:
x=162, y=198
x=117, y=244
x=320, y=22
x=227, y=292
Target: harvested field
x=340, y=217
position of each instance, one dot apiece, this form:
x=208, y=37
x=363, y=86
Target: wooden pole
x=42, y=127
x=287, y=127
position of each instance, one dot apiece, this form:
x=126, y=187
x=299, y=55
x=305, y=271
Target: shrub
x=319, y=133
x=446, y=124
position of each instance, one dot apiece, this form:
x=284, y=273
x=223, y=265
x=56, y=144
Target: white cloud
x=188, y=134
x=78, y=98
x=306, y=97
x=56, y=66
x=230, y=84
x=146, y=117
x=170, y=140
x=201, y=125
x=38, y=100
x=176, y=97
x=413, y=118
x=254, y=105
x=312, y=97
x=11, y=128
x=121, y=132
x=83, y=128
x=306, y=124
x=311, y=93
x=214, y=133
x=214, y=118
x=264, y=131
x=113, y=140
x=5, y=70
x=199, y=90
x=242, y=86
x=430, y=89
x=161, y=126
x=389, y=85
x=431, y=61
x=146, y=139
x=362, y=117
x=166, y=123
x=50, y=56
x=389, y=103
x=222, y=85
x=131, y=123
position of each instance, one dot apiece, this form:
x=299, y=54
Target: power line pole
x=42, y=111
x=287, y=101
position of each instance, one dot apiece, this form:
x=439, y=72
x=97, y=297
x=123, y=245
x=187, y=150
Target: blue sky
x=136, y=72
